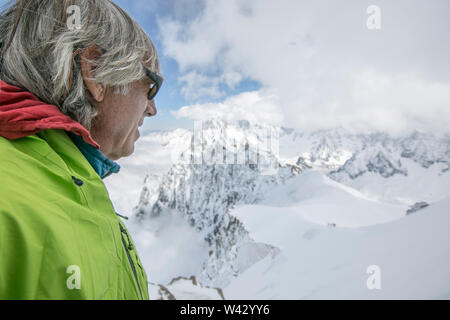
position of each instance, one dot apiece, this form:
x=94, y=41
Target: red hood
x=22, y=114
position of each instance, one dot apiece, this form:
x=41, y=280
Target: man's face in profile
x=120, y=116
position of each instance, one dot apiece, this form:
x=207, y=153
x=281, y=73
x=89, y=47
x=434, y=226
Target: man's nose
x=151, y=108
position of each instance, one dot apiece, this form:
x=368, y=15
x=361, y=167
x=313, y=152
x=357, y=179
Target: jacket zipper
x=123, y=231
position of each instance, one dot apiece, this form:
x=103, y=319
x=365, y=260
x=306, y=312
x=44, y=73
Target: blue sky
x=303, y=64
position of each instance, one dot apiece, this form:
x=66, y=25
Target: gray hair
x=36, y=48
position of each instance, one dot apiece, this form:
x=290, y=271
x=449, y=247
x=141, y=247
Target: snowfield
x=318, y=199
x=322, y=262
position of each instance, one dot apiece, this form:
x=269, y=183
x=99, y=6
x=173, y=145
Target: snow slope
x=318, y=199
x=321, y=262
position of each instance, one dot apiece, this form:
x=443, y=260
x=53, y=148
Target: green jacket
x=60, y=237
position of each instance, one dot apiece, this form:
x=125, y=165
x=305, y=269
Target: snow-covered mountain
x=195, y=182
x=205, y=193
x=401, y=170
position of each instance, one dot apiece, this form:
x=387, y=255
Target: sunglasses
x=154, y=87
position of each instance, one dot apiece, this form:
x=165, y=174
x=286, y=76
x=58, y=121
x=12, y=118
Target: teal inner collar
x=101, y=163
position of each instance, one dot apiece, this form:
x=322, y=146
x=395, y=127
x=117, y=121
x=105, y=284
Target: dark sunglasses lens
x=153, y=91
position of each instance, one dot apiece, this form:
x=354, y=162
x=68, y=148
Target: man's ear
x=96, y=89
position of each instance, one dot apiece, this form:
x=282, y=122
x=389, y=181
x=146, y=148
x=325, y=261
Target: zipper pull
x=129, y=243
x=77, y=181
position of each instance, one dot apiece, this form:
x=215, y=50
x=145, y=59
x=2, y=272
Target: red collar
x=22, y=114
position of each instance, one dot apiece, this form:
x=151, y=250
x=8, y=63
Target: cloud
x=380, y=101
x=197, y=85
x=326, y=66
x=256, y=106
x=394, y=103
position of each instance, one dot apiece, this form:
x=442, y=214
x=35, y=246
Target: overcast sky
x=302, y=64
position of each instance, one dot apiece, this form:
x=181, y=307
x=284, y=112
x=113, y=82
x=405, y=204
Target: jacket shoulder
x=25, y=172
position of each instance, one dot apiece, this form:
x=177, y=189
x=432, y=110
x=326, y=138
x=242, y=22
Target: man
x=71, y=101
